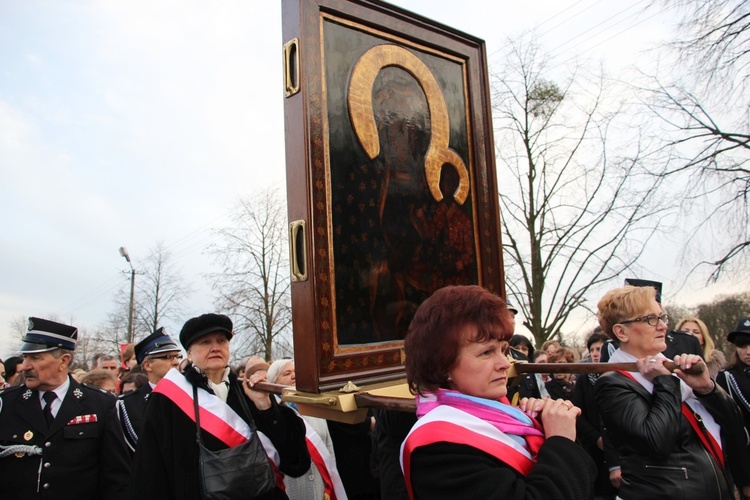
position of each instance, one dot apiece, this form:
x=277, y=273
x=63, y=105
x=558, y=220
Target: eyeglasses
x=169, y=357
x=651, y=319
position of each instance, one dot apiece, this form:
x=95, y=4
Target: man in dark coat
x=156, y=354
x=59, y=439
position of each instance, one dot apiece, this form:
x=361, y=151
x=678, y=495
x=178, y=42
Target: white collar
x=222, y=388
x=60, y=391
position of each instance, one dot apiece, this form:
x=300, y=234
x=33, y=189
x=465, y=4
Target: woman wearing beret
x=469, y=442
x=677, y=435
x=166, y=459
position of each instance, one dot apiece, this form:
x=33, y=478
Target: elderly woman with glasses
x=676, y=434
x=230, y=413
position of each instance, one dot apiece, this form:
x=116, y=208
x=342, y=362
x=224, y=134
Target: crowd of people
x=173, y=419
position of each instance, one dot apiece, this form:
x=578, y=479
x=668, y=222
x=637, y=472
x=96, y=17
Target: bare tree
x=703, y=107
x=721, y=316
x=161, y=292
x=578, y=203
x=253, y=285
x=16, y=327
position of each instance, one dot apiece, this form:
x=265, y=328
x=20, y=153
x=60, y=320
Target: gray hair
x=278, y=366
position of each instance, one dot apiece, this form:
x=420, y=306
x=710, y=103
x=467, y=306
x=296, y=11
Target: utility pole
x=124, y=253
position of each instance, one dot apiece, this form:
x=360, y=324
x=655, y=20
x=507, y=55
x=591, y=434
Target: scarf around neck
x=507, y=419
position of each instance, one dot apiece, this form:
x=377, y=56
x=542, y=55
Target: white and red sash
x=325, y=463
x=217, y=417
x=451, y=425
x=691, y=406
x=707, y=439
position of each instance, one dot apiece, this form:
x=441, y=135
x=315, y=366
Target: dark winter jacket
x=166, y=459
x=660, y=454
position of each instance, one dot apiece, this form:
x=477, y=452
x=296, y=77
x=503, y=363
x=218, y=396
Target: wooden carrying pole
x=329, y=405
x=517, y=369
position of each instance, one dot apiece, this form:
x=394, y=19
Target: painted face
x=481, y=369
x=210, y=353
x=159, y=364
x=643, y=339
x=43, y=371
x=596, y=351
x=287, y=376
x=692, y=328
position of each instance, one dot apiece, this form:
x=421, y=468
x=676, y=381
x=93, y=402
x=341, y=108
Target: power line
x=540, y=35
x=615, y=35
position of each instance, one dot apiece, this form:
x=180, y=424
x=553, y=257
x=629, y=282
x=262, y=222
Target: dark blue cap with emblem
x=742, y=331
x=155, y=343
x=45, y=335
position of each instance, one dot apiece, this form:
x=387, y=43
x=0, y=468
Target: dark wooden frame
x=321, y=362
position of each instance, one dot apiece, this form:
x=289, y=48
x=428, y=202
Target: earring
x=450, y=379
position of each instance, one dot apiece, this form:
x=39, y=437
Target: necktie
x=48, y=396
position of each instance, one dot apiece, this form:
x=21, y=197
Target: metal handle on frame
x=298, y=252
x=291, y=67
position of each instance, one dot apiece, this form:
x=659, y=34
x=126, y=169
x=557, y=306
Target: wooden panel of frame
x=391, y=180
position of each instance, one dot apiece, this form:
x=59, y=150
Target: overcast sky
x=134, y=122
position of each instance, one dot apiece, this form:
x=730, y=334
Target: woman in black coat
x=469, y=442
x=166, y=459
x=676, y=435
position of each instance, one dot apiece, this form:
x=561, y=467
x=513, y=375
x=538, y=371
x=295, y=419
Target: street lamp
x=124, y=253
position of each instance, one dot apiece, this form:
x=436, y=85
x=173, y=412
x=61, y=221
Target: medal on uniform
x=28, y=435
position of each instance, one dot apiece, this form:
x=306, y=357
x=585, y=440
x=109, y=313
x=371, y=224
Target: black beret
x=194, y=328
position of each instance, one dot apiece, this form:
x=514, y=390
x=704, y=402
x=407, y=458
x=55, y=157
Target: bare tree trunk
x=253, y=285
x=578, y=206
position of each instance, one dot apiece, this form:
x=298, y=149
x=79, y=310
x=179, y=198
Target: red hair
x=437, y=332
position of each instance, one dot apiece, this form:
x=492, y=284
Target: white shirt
x=61, y=391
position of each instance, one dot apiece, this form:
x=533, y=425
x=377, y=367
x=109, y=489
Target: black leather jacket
x=660, y=454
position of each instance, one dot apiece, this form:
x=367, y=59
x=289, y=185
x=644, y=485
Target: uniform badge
x=28, y=435
x=27, y=394
x=77, y=393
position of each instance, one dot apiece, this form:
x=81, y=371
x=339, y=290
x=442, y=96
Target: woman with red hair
x=469, y=442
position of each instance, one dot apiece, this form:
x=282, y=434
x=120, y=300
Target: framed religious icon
x=391, y=182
